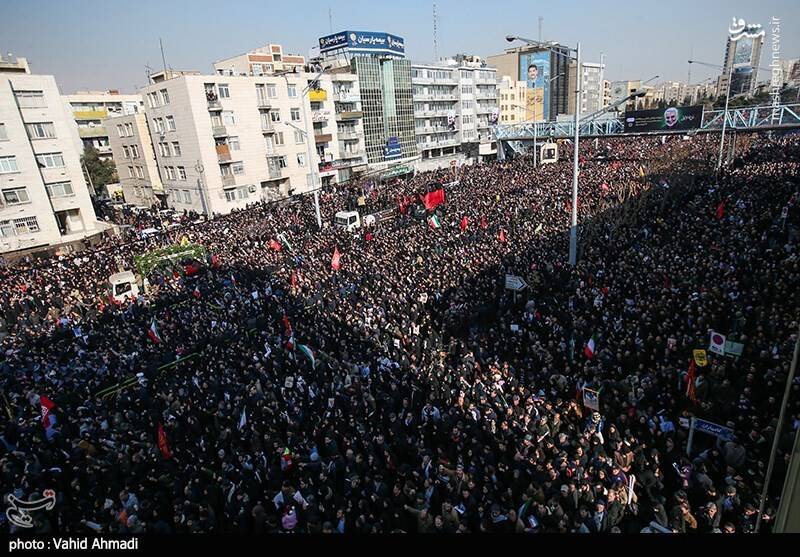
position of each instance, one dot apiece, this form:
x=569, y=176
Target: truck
x=123, y=286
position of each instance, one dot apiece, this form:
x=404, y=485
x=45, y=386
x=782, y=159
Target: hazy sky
x=105, y=44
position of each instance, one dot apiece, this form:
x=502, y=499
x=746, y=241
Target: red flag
x=287, y=325
x=690, y=386
x=293, y=280
x=433, y=199
x=404, y=203
x=502, y=236
x=192, y=268
x=464, y=223
x=721, y=210
x=368, y=237
x=336, y=263
x=484, y=223
x=276, y=246
x=47, y=407
x=163, y=444
x=196, y=292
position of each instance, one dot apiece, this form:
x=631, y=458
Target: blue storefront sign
x=363, y=41
x=392, y=150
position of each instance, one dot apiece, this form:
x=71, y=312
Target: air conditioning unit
x=252, y=189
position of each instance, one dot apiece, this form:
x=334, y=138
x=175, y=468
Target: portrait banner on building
x=534, y=70
x=674, y=118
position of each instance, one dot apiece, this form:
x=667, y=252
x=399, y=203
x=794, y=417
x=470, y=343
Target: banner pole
x=691, y=438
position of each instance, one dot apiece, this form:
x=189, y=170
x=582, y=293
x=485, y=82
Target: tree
x=100, y=172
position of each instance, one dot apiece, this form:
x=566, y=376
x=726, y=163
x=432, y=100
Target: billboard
x=368, y=42
x=534, y=70
x=743, y=52
x=672, y=119
x=392, y=150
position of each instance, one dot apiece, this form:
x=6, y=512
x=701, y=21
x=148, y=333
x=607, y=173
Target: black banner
x=674, y=118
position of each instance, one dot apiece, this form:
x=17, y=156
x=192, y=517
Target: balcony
x=223, y=153
x=346, y=97
x=263, y=103
x=484, y=109
x=228, y=180
x=320, y=115
x=275, y=173
x=219, y=131
x=435, y=129
x=90, y=114
x=213, y=103
x=349, y=136
x=347, y=154
x=322, y=137
x=349, y=115
x=267, y=127
x=437, y=144
x=486, y=94
x=317, y=95
x=96, y=131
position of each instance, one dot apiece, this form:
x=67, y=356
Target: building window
x=15, y=196
x=181, y=173
x=126, y=152
x=170, y=172
x=230, y=195
x=270, y=145
x=120, y=130
x=227, y=118
x=233, y=143
x=301, y=160
x=223, y=91
x=30, y=99
x=237, y=168
x=295, y=115
x=139, y=172
x=50, y=160
x=158, y=123
x=282, y=162
x=187, y=196
x=135, y=151
x=275, y=115
x=243, y=194
x=170, y=123
x=131, y=173
x=272, y=91
x=176, y=148
x=59, y=189
x=164, y=97
x=164, y=149
x=292, y=90
x=279, y=138
x=298, y=136
x=26, y=225
x=41, y=130
x=129, y=130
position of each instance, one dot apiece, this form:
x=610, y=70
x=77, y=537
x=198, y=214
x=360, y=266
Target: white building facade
x=44, y=199
x=137, y=169
x=455, y=108
x=90, y=108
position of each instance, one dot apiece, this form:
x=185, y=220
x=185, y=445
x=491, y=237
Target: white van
x=349, y=220
x=123, y=286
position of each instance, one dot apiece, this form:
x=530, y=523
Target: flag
x=287, y=325
x=233, y=280
x=48, y=417
x=243, y=418
x=590, y=349
x=286, y=459
x=290, y=342
x=309, y=354
x=464, y=223
x=368, y=236
x=196, y=292
x=720, y=210
x=152, y=332
x=336, y=262
x=434, y=222
x=276, y=246
x=293, y=279
x=502, y=235
x=690, y=386
x=163, y=444
x=285, y=242
x=484, y=223
x=433, y=199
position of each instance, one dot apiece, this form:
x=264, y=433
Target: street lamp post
x=725, y=115
x=573, y=232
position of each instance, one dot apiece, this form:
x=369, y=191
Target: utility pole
x=435, y=38
x=163, y=58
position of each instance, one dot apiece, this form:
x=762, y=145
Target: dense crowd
x=407, y=389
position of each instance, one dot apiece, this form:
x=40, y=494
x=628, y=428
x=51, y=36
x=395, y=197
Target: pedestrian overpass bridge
x=749, y=118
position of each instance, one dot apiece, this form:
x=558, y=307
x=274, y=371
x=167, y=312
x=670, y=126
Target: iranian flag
x=152, y=332
x=336, y=262
x=590, y=350
x=434, y=222
x=464, y=223
x=196, y=292
x=163, y=444
x=502, y=235
x=309, y=354
x=286, y=459
x=290, y=342
x=48, y=417
x=484, y=223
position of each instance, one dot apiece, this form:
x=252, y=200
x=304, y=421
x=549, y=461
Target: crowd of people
x=397, y=386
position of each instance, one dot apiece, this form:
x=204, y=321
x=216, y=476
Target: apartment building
x=222, y=142
x=137, y=169
x=265, y=60
x=593, y=88
x=44, y=200
x=512, y=95
x=90, y=108
x=455, y=107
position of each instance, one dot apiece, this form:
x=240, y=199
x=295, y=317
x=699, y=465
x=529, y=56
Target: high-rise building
x=44, y=200
x=265, y=60
x=455, y=107
x=222, y=141
x=90, y=108
x=384, y=82
x=592, y=88
x=132, y=147
x=546, y=74
x=742, y=58
x=512, y=95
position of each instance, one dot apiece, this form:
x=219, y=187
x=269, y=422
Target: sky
x=107, y=44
